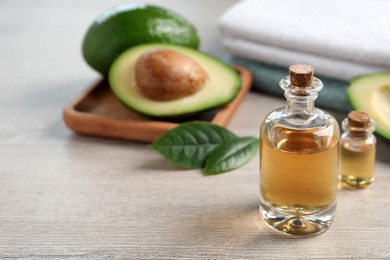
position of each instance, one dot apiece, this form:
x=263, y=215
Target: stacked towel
x=266, y=79
x=340, y=38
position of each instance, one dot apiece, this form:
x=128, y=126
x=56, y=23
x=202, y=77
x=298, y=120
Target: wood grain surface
x=64, y=195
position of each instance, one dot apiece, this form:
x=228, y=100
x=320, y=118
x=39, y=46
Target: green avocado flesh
x=371, y=94
x=222, y=86
x=131, y=24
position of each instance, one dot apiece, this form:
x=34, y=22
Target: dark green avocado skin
x=129, y=25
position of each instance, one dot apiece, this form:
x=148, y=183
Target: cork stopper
x=301, y=75
x=358, y=119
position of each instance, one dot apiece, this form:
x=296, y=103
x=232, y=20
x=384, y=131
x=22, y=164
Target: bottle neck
x=300, y=100
x=300, y=103
x=356, y=132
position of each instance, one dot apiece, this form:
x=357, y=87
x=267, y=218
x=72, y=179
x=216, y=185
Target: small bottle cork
x=301, y=75
x=358, y=119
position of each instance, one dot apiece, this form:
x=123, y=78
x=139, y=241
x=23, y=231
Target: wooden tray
x=96, y=111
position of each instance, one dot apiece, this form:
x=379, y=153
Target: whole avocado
x=128, y=25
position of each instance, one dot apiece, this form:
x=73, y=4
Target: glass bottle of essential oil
x=357, y=149
x=299, y=153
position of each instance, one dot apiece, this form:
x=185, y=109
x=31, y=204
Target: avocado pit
x=164, y=75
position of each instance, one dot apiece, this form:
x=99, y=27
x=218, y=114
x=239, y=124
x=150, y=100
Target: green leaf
x=189, y=144
x=231, y=155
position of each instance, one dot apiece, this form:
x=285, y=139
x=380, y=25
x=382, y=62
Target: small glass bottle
x=357, y=149
x=299, y=153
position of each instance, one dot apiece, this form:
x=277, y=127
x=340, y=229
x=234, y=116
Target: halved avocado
x=371, y=94
x=222, y=85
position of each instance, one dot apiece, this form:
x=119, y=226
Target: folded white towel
x=334, y=68
x=356, y=34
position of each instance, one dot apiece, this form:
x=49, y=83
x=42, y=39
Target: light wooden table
x=69, y=196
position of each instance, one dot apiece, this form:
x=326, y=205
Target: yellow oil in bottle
x=357, y=151
x=357, y=166
x=299, y=173
x=299, y=154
